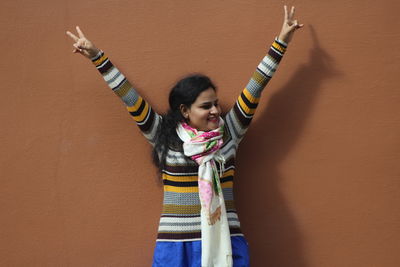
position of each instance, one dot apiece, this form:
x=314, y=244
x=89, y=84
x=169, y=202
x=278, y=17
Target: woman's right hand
x=82, y=45
x=290, y=25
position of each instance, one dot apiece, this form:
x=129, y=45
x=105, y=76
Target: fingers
x=292, y=12
x=76, y=50
x=72, y=36
x=291, y=15
x=289, y=18
x=81, y=35
x=80, y=51
x=77, y=47
x=286, y=14
x=80, y=46
x=296, y=25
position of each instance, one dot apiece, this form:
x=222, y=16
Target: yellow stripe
x=193, y=178
x=250, y=97
x=245, y=108
x=228, y=173
x=278, y=47
x=192, y=189
x=142, y=115
x=181, y=189
x=227, y=184
x=179, y=178
x=100, y=60
x=135, y=107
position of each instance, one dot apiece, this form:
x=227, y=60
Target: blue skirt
x=188, y=253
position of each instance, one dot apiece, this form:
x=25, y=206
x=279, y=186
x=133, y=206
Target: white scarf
x=204, y=148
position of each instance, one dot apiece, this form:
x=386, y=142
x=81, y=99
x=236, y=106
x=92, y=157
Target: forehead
x=208, y=95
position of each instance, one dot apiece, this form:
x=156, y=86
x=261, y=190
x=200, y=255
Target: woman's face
x=204, y=113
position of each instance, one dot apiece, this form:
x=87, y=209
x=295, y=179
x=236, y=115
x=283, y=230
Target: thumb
x=294, y=26
x=77, y=47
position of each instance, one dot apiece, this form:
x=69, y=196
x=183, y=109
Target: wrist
x=93, y=53
x=283, y=38
x=96, y=55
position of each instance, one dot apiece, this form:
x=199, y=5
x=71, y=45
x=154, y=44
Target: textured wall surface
x=318, y=173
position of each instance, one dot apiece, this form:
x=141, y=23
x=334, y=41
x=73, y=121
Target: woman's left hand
x=290, y=25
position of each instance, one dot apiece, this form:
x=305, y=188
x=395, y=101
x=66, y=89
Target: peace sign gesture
x=82, y=45
x=289, y=26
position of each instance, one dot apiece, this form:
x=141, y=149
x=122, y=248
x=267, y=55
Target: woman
x=194, y=149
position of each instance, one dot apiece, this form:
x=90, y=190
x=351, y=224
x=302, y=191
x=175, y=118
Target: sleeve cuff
x=279, y=46
x=97, y=57
x=284, y=44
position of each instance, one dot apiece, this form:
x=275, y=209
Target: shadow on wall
x=267, y=221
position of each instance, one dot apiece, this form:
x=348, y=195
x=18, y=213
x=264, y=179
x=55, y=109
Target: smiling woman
x=204, y=113
x=195, y=149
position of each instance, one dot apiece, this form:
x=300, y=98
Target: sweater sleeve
x=140, y=110
x=239, y=117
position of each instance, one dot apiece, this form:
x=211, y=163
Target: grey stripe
x=130, y=98
x=177, y=158
x=151, y=135
x=229, y=150
x=271, y=69
x=117, y=74
x=254, y=88
x=175, y=198
x=181, y=224
x=236, y=127
x=231, y=125
x=191, y=223
x=228, y=193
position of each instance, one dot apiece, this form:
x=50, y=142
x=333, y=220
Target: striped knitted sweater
x=180, y=218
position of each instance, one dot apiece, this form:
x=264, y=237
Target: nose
x=214, y=110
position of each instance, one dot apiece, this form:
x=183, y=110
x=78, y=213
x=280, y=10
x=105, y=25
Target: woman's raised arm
x=240, y=116
x=140, y=110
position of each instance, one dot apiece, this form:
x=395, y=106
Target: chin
x=213, y=126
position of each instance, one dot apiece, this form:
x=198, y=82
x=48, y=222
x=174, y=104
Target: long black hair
x=184, y=92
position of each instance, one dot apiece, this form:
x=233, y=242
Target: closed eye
x=209, y=105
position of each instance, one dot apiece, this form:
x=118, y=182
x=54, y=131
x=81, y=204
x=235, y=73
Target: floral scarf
x=204, y=148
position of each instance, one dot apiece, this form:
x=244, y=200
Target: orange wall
x=318, y=172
